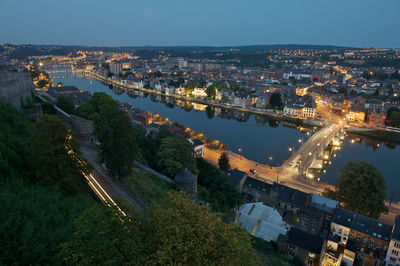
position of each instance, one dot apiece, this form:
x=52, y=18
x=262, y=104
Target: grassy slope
x=151, y=189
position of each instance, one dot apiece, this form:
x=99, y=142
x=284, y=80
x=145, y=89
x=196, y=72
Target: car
x=253, y=171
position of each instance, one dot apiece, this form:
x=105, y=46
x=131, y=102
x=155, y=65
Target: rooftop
x=363, y=224
x=304, y=240
x=289, y=195
x=323, y=203
x=235, y=176
x=185, y=177
x=261, y=221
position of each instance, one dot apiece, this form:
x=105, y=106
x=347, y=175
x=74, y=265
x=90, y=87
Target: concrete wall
x=15, y=86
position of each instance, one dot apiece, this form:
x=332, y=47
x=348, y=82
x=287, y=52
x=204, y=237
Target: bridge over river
x=294, y=171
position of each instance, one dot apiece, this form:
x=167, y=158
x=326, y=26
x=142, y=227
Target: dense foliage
x=176, y=154
x=37, y=213
x=184, y=233
x=361, y=188
x=66, y=105
x=215, y=187
x=393, y=116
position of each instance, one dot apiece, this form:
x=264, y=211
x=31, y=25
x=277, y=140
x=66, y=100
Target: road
x=264, y=172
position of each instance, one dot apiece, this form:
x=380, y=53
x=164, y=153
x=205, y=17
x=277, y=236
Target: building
x=169, y=90
x=72, y=93
x=377, y=117
x=187, y=181
x=116, y=68
x=393, y=253
x=182, y=63
x=356, y=114
x=241, y=100
x=295, y=209
x=254, y=190
x=198, y=147
x=199, y=92
x=293, y=109
x=263, y=100
x=237, y=178
x=366, y=237
x=297, y=74
x=261, y=221
x=307, y=247
x=337, y=105
x=309, y=110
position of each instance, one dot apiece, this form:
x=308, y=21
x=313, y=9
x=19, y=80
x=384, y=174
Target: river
x=257, y=137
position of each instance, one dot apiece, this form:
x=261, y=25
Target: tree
x=175, y=155
x=117, y=139
x=49, y=160
x=184, y=233
x=223, y=147
x=66, y=105
x=42, y=83
x=394, y=119
x=223, y=162
x=218, y=190
x=34, y=219
x=361, y=188
x=116, y=135
x=276, y=100
x=211, y=92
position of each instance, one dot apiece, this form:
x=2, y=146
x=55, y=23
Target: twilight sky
x=358, y=23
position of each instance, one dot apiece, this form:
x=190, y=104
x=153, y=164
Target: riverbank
x=380, y=135
x=271, y=113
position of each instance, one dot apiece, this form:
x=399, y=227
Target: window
x=396, y=244
x=309, y=262
x=352, y=235
x=378, y=245
x=395, y=252
x=393, y=259
x=371, y=242
x=340, y=230
x=292, y=247
x=291, y=253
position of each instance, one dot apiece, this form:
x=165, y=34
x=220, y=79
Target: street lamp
x=270, y=159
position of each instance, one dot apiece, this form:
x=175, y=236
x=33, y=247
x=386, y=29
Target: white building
x=138, y=84
x=293, y=110
x=241, y=100
x=297, y=74
x=182, y=63
x=157, y=87
x=198, y=147
x=393, y=253
x=199, y=92
x=261, y=221
x=309, y=110
x=169, y=90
